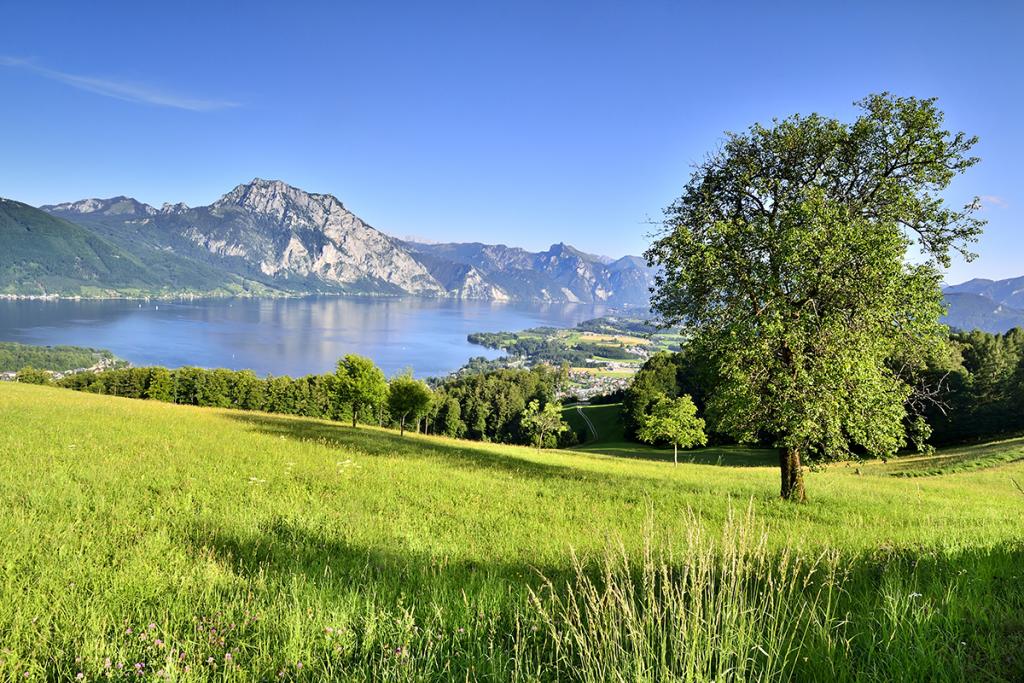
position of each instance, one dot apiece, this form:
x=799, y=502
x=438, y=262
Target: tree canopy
x=408, y=398
x=788, y=258
x=673, y=420
x=542, y=422
x=360, y=384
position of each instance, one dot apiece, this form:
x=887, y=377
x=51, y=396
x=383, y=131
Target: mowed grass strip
x=202, y=544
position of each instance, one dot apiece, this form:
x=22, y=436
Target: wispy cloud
x=121, y=90
x=991, y=200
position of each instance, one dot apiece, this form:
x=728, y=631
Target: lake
x=282, y=336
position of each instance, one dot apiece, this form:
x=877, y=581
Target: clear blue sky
x=518, y=122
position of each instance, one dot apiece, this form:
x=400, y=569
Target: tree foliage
x=787, y=258
x=673, y=420
x=666, y=374
x=31, y=375
x=492, y=403
x=14, y=356
x=310, y=396
x=360, y=384
x=542, y=422
x=408, y=399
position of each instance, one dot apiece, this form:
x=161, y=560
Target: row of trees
x=510, y=406
x=311, y=396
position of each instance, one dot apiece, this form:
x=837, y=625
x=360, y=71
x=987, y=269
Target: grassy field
x=142, y=540
x=607, y=437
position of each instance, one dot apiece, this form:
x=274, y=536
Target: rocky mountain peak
x=179, y=208
x=277, y=199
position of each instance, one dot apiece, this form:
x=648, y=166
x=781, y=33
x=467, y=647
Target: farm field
x=146, y=541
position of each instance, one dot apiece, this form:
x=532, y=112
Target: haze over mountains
x=990, y=305
x=267, y=237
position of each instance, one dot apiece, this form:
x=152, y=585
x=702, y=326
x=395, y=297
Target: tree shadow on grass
x=281, y=550
x=979, y=635
x=383, y=444
x=723, y=456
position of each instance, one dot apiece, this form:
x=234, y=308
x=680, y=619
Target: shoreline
x=615, y=309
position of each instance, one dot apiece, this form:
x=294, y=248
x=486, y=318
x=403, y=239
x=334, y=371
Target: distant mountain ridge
x=1009, y=292
x=270, y=236
x=989, y=305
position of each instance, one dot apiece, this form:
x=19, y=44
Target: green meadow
x=148, y=541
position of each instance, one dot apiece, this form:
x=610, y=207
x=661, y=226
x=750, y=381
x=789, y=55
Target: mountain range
x=990, y=305
x=267, y=237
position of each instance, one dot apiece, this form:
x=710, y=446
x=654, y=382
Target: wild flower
x=79, y=676
x=915, y=595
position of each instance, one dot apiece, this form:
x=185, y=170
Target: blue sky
x=518, y=122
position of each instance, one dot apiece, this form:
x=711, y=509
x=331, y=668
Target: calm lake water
x=281, y=336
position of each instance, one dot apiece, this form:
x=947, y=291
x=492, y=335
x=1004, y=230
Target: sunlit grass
x=362, y=555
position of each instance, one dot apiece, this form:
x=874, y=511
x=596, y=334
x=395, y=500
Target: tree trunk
x=354, y=413
x=675, y=454
x=401, y=426
x=792, y=475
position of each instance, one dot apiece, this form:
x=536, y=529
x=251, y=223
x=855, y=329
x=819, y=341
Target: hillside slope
x=256, y=547
x=46, y=255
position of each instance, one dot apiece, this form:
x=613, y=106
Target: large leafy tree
x=360, y=384
x=804, y=257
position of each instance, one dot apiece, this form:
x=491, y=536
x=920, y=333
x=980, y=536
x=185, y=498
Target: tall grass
x=710, y=610
x=731, y=609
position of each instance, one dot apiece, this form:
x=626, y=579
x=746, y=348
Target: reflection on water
x=281, y=336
